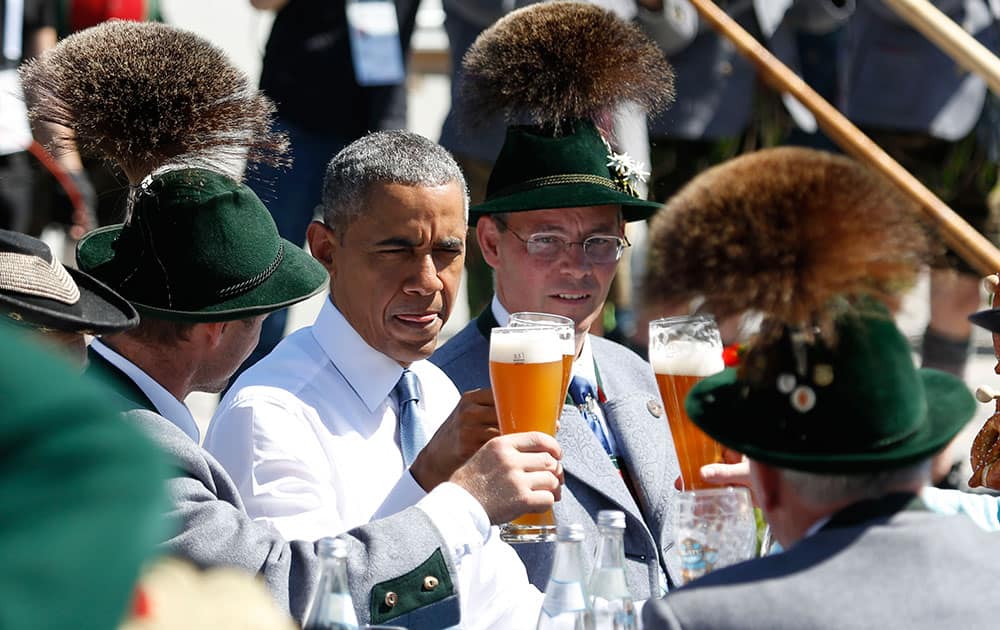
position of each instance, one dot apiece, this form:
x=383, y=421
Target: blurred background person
x=335, y=71
x=724, y=108
x=27, y=27
x=941, y=124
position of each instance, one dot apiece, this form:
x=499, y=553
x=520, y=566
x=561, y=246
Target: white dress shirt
x=310, y=437
x=165, y=402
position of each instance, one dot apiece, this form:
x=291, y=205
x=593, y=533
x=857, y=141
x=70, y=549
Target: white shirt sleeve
x=494, y=587
x=404, y=494
x=981, y=508
x=270, y=450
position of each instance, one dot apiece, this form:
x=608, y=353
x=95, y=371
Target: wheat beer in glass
x=682, y=351
x=526, y=375
x=567, y=336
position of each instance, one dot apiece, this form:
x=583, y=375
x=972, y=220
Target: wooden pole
x=951, y=38
x=972, y=246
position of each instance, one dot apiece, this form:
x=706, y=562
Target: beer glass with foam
x=567, y=336
x=682, y=351
x=526, y=375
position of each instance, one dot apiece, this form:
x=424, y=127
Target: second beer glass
x=526, y=375
x=682, y=351
x=567, y=337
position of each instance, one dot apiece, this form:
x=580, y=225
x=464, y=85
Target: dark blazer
x=897, y=79
x=879, y=564
x=635, y=416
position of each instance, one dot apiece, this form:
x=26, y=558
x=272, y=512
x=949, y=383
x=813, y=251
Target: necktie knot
x=580, y=389
x=407, y=389
x=584, y=396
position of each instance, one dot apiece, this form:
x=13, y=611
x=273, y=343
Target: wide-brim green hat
x=540, y=169
x=858, y=406
x=200, y=247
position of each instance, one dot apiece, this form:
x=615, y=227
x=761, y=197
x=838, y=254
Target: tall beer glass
x=526, y=374
x=682, y=351
x=567, y=336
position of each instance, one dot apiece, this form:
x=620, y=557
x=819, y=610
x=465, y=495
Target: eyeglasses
x=599, y=249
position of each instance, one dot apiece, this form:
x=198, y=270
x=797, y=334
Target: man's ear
x=766, y=482
x=488, y=237
x=209, y=334
x=322, y=243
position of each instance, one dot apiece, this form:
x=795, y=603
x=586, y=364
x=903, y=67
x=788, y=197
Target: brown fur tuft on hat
x=786, y=232
x=144, y=95
x=556, y=61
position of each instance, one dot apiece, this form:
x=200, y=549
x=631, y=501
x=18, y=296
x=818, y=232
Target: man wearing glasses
x=552, y=228
x=553, y=237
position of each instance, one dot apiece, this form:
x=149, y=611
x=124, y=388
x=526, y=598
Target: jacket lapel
x=640, y=427
x=585, y=459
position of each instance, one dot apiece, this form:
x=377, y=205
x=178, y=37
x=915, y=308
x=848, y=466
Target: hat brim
x=99, y=310
x=297, y=278
x=988, y=319
x=717, y=406
x=576, y=195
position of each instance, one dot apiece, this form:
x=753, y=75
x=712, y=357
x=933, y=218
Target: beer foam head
x=526, y=345
x=687, y=358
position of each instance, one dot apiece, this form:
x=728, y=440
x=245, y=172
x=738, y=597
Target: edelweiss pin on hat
x=562, y=68
x=169, y=109
x=817, y=245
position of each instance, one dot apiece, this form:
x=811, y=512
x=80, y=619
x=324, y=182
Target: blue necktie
x=585, y=397
x=411, y=430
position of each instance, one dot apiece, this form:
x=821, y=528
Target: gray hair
x=820, y=489
x=387, y=157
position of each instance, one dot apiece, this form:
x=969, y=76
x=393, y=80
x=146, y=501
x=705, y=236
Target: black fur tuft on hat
x=557, y=61
x=144, y=95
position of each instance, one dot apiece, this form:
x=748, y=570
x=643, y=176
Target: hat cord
x=253, y=282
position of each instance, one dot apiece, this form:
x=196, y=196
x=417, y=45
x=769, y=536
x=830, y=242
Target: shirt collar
x=371, y=374
x=815, y=527
x=500, y=314
x=166, y=404
x=583, y=365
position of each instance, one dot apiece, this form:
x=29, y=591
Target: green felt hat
x=854, y=407
x=200, y=247
x=538, y=169
x=79, y=482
